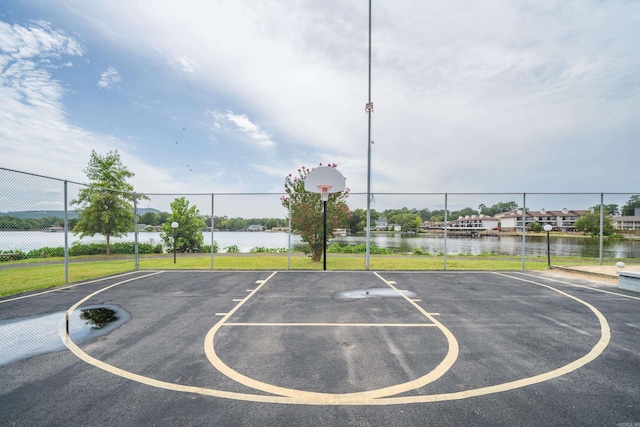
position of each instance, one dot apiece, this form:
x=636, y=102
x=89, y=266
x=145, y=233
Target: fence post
x=212, y=226
x=135, y=232
x=601, y=250
x=445, y=230
x=524, y=228
x=66, y=235
x=289, y=255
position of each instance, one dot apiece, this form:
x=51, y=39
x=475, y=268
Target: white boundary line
x=61, y=288
x=596, y=350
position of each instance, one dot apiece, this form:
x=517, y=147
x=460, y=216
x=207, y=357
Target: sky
x=226, y=96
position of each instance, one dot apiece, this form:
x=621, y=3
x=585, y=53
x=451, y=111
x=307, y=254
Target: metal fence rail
x=47, y=245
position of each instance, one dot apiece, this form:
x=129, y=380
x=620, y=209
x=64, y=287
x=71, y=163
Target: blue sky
x=231, y=96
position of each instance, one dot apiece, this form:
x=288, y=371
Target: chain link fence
x=40, y=245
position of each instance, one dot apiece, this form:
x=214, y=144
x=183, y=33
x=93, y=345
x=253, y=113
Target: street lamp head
x=174, y=225
x=548, y=228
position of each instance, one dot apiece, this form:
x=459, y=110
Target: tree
x=611, y=209
x=464, y=212
x=307, y=212
x=425, y=214
x=357, y=220
x=590, y=223
x=632, y=204
x=536, y=227
x=406, y=221
x=499, y=207
x=106, y=205
x=189, y=231
x=150, y=218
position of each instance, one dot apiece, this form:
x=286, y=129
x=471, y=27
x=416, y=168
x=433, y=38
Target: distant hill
x=71, y=214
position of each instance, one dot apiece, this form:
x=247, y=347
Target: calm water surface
x=507, y=245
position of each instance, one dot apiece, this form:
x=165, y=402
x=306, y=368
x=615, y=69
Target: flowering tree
x=307, y=211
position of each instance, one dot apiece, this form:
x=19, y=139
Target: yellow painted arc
x=602, y=343
x=437, y=372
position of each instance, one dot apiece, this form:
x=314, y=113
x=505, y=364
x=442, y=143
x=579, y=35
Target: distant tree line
x=31, y=224
x=407, y=218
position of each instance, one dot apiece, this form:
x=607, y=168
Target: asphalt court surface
x=274, y=348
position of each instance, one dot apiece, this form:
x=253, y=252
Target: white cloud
x=36, y=40
x=35, y=135
x=110, y=79
x=188, y=65
x=243, y=124
x=468, y=96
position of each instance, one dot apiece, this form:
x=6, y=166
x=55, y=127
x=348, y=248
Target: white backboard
x=322, y=176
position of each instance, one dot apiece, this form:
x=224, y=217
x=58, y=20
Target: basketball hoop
x=324, y=190
x=324, y=180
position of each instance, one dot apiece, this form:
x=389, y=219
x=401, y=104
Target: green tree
x=590, y=223
x=106, y=205
x=234, y=224
x=149, y=218
x=357, y=220
x=406, y=220
x=632, y=204
x=425, y=214
x=536, y=227
x=499, y=207
x=189, y=231
x=464, y=212
x=611, y=209
x=307, y=212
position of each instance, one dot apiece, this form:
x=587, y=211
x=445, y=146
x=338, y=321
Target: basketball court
x=336, y=348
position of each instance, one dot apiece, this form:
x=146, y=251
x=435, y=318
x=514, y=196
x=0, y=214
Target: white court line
x=333, y=398
x=357, y=400
x=56, y=289
x=582, y=286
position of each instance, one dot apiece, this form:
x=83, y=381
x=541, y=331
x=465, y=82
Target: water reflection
x=400, y=243
x=358, y=294
x=26, y=337
x=97, y=318
x=505, y=245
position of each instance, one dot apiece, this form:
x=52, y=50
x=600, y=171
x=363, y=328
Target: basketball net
x=324, y=191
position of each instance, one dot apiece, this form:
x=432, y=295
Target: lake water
x=507, y=245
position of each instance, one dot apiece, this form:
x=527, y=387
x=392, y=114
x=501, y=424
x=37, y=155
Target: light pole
x=548, y=228
x=174, y=225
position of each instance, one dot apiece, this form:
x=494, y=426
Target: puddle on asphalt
x=358, y=294
x=25, y=337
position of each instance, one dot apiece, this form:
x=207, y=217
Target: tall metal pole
x=369, y=110
x=601, y=226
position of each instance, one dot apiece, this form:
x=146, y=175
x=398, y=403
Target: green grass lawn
x=36, y=274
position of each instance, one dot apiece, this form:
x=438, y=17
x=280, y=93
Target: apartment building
x=562, y=220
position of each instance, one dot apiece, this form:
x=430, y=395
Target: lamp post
x=174, y=225
x=548, y=228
